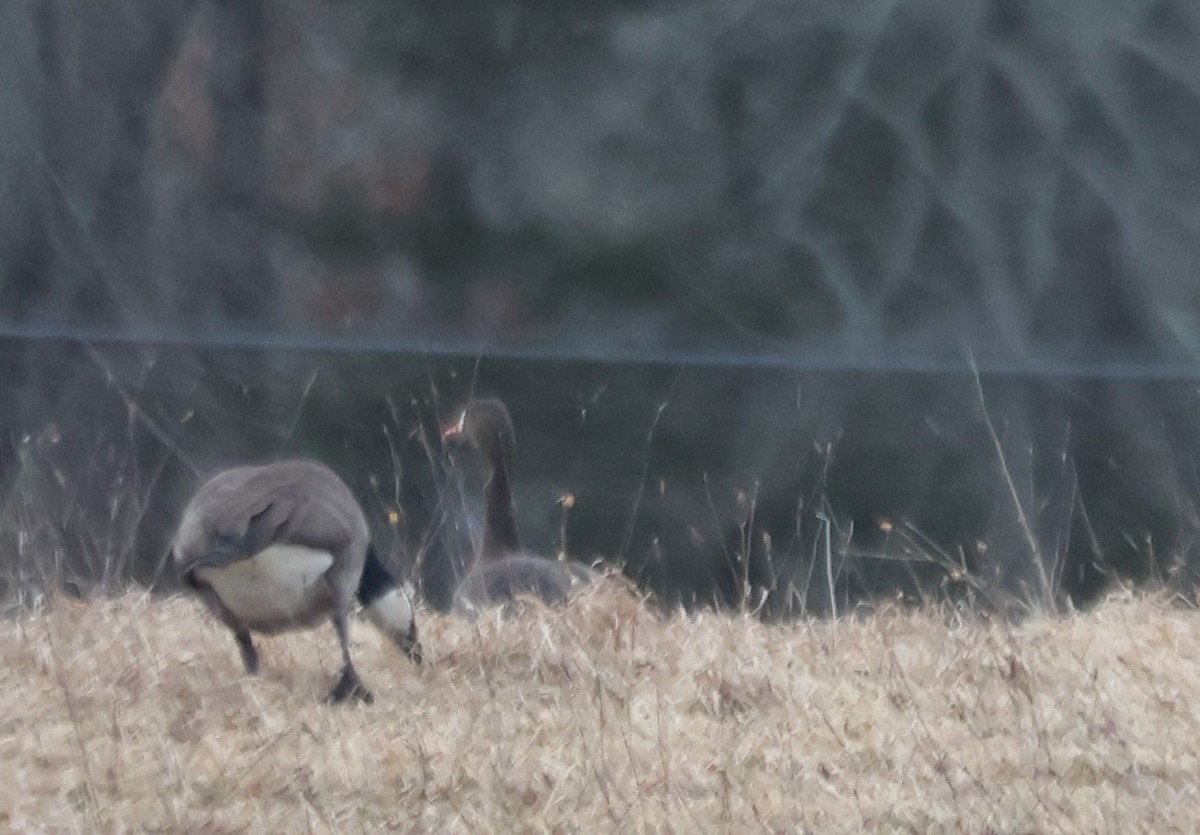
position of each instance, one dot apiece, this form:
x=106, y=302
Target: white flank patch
x=275, y=583
x=392, y=613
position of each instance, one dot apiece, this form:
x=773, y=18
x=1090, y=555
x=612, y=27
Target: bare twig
x=627, y=539
x=136, y=411
x=1022, y=518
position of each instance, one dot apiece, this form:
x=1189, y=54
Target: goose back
x=279, y=543
x=516, y=575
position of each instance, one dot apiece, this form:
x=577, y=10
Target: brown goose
x=502, y=571
x=281, y=546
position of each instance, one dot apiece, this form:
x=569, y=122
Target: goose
x=502, y=571
x=280, y=546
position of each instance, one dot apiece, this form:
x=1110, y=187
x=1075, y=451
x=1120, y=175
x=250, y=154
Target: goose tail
x=388, y=606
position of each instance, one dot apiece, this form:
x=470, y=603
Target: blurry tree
x=868, y=193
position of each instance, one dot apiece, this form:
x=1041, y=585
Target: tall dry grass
x=134, y=715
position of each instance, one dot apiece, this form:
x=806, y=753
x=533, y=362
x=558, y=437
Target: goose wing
x=242, y=511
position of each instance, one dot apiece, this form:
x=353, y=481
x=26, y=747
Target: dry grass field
x=134, y=715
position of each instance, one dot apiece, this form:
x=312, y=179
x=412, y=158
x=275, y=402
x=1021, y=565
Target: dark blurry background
x=795, y=304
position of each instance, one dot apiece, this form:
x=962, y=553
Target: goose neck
x=500, y=527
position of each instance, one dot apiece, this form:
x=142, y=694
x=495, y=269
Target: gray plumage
x=502, y=571
x=282, y=546
x=507, y=577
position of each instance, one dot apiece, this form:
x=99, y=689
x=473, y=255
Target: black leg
x=240, y=633
x=249, y=653
x=349, y=685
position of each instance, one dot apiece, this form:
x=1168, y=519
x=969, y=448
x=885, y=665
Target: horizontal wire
x=799, y=360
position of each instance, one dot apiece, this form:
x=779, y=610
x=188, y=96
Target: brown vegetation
x=134, y=715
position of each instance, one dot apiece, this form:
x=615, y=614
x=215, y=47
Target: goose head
x=487, y=426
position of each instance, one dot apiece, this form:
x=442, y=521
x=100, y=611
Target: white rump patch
x=277, y=583
x=392, y=613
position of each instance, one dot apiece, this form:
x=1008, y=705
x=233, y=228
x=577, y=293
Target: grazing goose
x=281, y=546
x=502, y=571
